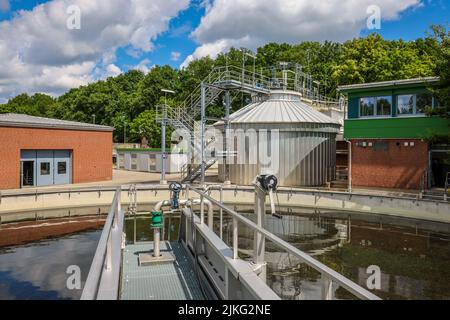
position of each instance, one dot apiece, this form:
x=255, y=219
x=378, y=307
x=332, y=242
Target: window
x=367, y=107
x=375, y=106
x=62, y=167
x=423, y=101
x=45, y=168
x=405, y=104
x=384, y=105
x=411, y=104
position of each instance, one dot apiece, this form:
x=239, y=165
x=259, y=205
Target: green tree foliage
x=442, y=69
x=128, y=102
x=374, y=59
x=145, y=126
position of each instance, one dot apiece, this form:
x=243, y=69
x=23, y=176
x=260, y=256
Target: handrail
x=329, y=273
x=103, y=258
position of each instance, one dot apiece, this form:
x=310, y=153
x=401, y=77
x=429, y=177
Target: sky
x=50, y=46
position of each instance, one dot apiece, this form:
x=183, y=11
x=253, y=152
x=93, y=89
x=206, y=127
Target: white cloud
x=175, y=56
x=112, y=70
x=4, y=5
x=39, y=54
x=143, y=66
x=252, y=23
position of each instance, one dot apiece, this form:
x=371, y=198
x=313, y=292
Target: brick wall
x=91, y=152
x=397, y=167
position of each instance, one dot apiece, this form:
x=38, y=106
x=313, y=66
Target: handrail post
x=221, y=214
x=235, y=238
x=108, y=264
x=327, y=288
x=202, y=210
x=117, y=205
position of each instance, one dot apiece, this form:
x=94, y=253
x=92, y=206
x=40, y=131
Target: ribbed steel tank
x=280, y=135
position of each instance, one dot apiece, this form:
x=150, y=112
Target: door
x=27, y=173
x=44, y=168
x=62, y=167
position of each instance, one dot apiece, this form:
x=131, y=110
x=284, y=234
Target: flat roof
x=391, y=83
x=26, y=121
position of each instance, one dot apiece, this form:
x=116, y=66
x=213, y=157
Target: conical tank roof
x=280, y=107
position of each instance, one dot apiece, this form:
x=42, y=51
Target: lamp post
x=254, y=63
x=163, y=137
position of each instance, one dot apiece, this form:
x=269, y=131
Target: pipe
x=166, y=203
x=349, y=165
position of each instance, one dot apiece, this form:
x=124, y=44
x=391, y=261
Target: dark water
x=38, y=270
x=414, y=256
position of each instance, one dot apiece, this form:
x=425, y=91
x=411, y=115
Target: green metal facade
x=393, y=126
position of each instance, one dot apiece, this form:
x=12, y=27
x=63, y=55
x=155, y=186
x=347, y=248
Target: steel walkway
x=165, y=281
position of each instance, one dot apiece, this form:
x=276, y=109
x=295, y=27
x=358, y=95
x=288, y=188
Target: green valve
x=157, y=217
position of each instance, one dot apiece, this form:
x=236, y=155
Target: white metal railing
x=329, y=275
x=102, y=282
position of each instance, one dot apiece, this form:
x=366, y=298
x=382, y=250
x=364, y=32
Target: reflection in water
x=415, y=261
x=38, y=270
x=414, y=256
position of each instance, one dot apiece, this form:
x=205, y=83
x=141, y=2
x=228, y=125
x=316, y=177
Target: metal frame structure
x=232, y=78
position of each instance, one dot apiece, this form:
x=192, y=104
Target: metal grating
x=166, y=281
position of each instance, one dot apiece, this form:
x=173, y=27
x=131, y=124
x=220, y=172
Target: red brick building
x=38, y=151
x=389, y=131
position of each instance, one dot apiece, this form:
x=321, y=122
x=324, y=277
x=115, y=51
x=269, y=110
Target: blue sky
x=118, y=35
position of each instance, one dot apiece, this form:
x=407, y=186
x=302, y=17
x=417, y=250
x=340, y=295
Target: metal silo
x=299, y=141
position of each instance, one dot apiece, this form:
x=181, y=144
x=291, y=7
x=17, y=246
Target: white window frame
x=375, y=115
x=414, y=114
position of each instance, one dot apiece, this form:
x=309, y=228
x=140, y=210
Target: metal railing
x=329, y=275
x=102, y=282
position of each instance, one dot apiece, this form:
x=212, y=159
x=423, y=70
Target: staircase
x=197, y=171
x=184, y=116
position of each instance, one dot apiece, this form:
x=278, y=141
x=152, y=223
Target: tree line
x=128, y=101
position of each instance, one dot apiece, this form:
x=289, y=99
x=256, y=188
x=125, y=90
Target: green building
x=388, y=130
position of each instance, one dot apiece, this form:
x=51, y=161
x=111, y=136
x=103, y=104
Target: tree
x=442, y=90
x=145, y=126
x=374, y=59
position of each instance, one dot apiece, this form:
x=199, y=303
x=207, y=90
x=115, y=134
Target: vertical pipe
x=156, y=242
x=259, y=239
x=349, y=165
x=163, y=151
x=221, y=215
x=203, y=107
x=227, y=137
